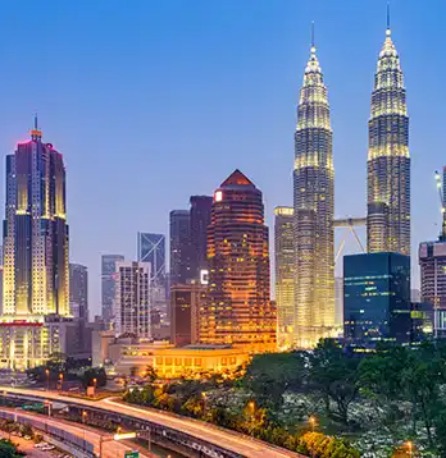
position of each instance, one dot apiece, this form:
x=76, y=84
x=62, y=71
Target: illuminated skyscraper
x=313, y=210
x=285, y=260
x=388, y=221
x=35, y=234
x=35, y=241
x=238, y=310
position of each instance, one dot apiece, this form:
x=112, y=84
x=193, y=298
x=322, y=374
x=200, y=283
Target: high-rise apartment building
x=200, y=218
x=313, y=210
x=35, y=243
x=108, y=284
x=238, y=310
x=79, y=291
x=376, y=298
x=388, y=166
x=285, y=260
x=180, y=247
x=132, y=303
x=185, y=304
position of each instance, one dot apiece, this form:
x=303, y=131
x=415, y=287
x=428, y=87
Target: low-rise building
x=128, y=356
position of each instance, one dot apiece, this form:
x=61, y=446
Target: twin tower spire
x=388, y=186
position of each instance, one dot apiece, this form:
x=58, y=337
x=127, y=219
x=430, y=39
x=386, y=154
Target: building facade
x=35, y=244
x=432, y=261
x=108, y=285
x=152, y=249
x=132, y=302
x=377, y=298
x=35, y=232
x=200, y=218
x=180, y=247
x=388, y=166
x=185, y=304
x=313, y=210
x=285, y=259
x=238, y=310
x=79, y=291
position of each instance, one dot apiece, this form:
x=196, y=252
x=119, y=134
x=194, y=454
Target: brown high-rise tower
x=238, y=310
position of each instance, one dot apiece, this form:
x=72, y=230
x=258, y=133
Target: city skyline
x=273, y=173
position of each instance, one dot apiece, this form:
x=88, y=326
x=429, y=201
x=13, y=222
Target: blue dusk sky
x=153, y=101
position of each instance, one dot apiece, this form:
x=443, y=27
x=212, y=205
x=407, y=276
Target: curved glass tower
x=313, y=210
x=388, y=215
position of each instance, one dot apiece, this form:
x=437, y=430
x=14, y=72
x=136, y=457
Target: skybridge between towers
x=350, y=224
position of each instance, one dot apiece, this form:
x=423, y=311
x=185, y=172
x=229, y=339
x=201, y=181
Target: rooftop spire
x=36, y=134
x=388, y=31
x=313, y=46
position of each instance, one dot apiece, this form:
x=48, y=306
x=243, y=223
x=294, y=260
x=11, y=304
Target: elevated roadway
x=221, y=443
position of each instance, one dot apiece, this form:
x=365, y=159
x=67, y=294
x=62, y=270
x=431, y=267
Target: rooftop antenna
x=388, y=18
x=313, y=46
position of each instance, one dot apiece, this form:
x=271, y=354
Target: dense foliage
x=9, y=450
x=310, y=401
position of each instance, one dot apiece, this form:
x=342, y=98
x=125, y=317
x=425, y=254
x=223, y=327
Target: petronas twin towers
x=388, y=218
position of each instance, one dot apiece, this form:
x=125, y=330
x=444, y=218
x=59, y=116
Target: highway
x=110, y=448
x=229, y=440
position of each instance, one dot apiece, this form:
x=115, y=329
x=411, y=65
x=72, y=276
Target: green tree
x=269, y=376
x=89, y=376
x=9, y=450
x=335, y=376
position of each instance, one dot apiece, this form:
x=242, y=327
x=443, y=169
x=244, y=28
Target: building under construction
x=432, y=260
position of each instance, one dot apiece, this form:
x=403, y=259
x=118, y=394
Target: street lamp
x=47, y=373
x=409, y=445
x=116, y=437
x=95, y=382
x=312, y=421
x=61, y=381
x=84, y=416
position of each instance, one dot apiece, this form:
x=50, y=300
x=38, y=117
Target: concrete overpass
x=201, y=439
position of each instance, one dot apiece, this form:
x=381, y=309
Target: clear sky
x=152, y=101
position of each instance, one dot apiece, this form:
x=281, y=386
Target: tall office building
x=35, y=236
x=186, y=302
x=79, y=291
x=238, y=310
x=152, y=249
x=35, y=242
x=200, y=218
x=388, y=166
x=285, y=259
x=180, y=247
x=313, y=210
x=376, y=298
x=132, y=302
x=108, y=284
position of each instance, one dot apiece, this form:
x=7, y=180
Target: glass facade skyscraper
x=376, y=298
x=152, y=248
x=313, y=210
x=388, y=219
x=108, y=284
x=79, y=291
x=238, y=310
x=180, y=247
x=200, y=218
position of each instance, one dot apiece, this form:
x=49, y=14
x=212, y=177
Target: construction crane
x=440, y=181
